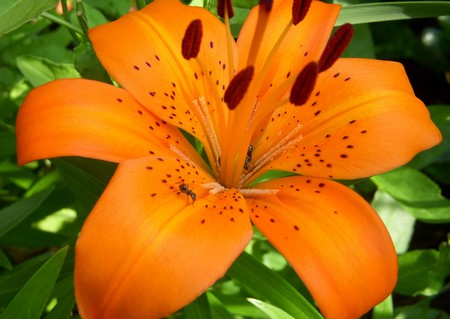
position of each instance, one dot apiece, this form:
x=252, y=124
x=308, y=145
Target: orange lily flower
x=169, y=224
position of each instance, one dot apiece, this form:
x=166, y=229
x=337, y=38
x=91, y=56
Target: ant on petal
x=184, y=188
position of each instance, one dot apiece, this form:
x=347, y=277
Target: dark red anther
x=266, y=4
x=304, y=84
x=336, y=46
x=238, y=87
x=299, y=10
x=221, y=8
x=192, y=39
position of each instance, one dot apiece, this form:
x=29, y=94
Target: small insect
x=184, y=188
x=248, y=158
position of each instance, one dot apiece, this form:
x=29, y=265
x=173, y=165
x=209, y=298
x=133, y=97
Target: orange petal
x=302, y=44
x=157, y=249
x=142, y=51
x=361, y=120
x=86, y=118
x=334, y=240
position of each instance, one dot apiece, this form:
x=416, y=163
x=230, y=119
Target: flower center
x=246, y=105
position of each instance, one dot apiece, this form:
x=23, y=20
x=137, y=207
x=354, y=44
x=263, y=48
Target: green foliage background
x=43, y=204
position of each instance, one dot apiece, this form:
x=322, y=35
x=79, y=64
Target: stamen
x=252, y=192
x=292, y=138
x=192, y=39
x=336, y=46
x=181, y=154
x=304, y=84
x=266, y=4
x=207, y=121
x=221, y=8
x=214, y=188
x=299, y=10
x=238, y=87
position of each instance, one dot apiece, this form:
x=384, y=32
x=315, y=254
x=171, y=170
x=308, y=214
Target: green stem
x=62, y=22
x=140, y=4
x=67, y=18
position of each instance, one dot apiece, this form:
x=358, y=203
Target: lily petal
x=355, y=102
x=143, y=52
x=158, y=249
x=86, y=118
x=302, y=43
x=333, y=239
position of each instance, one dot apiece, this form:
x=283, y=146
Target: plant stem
x=62, y=22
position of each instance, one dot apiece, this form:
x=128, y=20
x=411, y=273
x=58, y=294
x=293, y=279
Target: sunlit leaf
x=384, y=310
x=417, y=193
x=398, y=221
x=271, y=311
x=39, y=71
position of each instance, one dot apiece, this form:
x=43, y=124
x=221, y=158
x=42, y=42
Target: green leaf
x=4, y=261
x=14, y=13
x=39, y=71
x=420, y=310
x=198, y=309
x=13, y=215
x=63, y=308
x=7, y=144
x=88, y=65
x=271, y=311
x=12, y=281
x=389, y=11
x=86, y=178
x=440, y=115
x=398, y=221
x=270, y=286
x=236, y=304
x=419, y=273
x=218, y=309
x=36, y=292
x=417, y=193
x=361, y=45
x=384, y=310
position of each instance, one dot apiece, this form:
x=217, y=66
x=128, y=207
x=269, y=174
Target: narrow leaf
x=13, y=215
x=271, y=311
x=4, y=261
x=198, y=309
x=63, y=308
x=269, y=285
x=37, y=290
x=389, y=11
